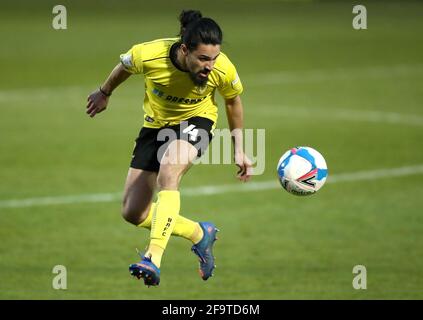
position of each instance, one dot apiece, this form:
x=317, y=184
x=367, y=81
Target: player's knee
x=168, y=178
x=132, y=214
x=129, y=215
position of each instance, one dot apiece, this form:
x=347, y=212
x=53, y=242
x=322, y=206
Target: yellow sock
x=184, y=227
x=162, y=224
x=188, y=229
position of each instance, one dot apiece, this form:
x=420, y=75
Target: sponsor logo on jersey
x=175, y=99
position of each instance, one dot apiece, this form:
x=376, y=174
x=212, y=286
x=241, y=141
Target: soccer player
x=181, y=77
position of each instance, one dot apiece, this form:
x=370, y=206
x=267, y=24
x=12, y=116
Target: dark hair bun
x=188, y=16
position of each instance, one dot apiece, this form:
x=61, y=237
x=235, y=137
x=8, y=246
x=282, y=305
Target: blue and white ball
x=302, y=171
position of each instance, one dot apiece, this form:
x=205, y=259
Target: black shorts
x=151, y=143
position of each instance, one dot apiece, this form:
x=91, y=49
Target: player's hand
x=245, y=166
x=97, y=102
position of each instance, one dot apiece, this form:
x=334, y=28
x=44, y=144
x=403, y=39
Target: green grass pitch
x=309, y=79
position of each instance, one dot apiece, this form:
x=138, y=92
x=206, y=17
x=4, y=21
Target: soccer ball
x=302, y=171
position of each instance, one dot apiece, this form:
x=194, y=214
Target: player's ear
x=184, y=49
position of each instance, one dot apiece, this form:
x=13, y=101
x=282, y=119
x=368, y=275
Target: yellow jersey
x=170, y=94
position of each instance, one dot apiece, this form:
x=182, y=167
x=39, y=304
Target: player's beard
x=198, y=80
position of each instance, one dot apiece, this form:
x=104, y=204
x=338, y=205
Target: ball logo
x=308, y=178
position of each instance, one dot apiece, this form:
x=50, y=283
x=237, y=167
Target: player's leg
x=139, y=209
x=138, y=206
x=138, y=194
x=176, y=161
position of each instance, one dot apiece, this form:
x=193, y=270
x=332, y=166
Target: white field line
x=338, y=74
x=214, y=189
x=76, y=92
x=341, y=114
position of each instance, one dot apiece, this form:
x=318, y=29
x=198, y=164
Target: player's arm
x=234, y=113
x=97, y=101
